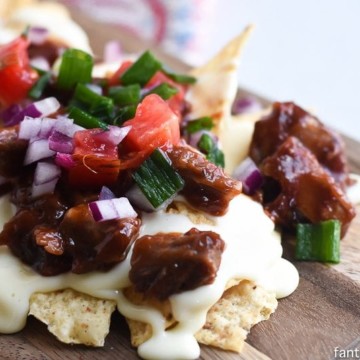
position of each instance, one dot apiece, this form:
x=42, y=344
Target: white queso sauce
x=252, y=252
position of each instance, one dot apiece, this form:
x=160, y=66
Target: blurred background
x=307, y=51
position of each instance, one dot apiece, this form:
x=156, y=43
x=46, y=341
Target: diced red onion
x=249, y=174
x=40, y=63
x=137, y=197
x=97, y=89
x=45, y=172
x=118, y=208
x=8, y=115
x=246, y=104
x=65, y=161
x=66, y=126
x=61, y=143
x=37, y=35
x=46, y=188
x=37, y=109
x=112, y=51
x=47, y=106
x=37, y=150
x=114, y=134
x=47, y=127
x=29, y=128
x=106, y=194
x=193, y=139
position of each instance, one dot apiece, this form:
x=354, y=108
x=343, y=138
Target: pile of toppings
x=84, y=157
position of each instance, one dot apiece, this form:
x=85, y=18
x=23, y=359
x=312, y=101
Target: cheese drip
x=253, y=252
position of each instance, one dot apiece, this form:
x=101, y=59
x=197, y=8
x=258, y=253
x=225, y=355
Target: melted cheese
x=253, y=251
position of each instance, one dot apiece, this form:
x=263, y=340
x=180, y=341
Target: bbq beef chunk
x=306, y=192
x=12, y=152
x=167, y=264
x=96, y=245
x=53, y=238
x=288, y=119
x=207, y=187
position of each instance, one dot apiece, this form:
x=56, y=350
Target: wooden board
x=322, y=314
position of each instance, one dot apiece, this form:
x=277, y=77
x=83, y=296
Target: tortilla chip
x=73, y=317
x=236, y=138
x=216, y=85
x=228, y=321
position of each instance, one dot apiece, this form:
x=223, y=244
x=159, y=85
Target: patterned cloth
x=181, y=27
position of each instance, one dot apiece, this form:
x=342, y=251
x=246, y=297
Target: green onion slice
x=318, y=242
x=157, y=179
x=124, y=113
x=97, y=105
x=37, y=90
x=180, y=78
x=164, y=90
x=76, y=67
x=125, y=95
x=142, y=70
x=208, y=146
x=203, y=123
x=85, y=119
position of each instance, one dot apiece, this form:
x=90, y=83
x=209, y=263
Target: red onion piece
x=37, y=150
x=246, y=104
x=46, y=188
x=249, y=174
x=118, y=208
x=112, y=51
x=9, y=115
x=114, y=135
x=29, y=128
x=106, y=194
x=46, y=172
x=61, y=143
x=97, y=89
x=47, y=106
x=65, y=161
x=40, y=63
x=66, y=126
x=37, y=35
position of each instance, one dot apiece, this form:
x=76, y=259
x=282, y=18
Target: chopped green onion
x=124, y=113
x=208, y=146
x=157, y=179
x=76, y=67
x=318, y=242
x=164, y=90
x=203, y=123
x=142, y=70
x=37, y=90
x=85, y=120
x=125, y=95
x=97, y=105
x=180, y=78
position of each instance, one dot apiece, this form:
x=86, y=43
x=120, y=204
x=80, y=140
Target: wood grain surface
x=323, y=313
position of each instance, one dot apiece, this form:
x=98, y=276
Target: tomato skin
x=115, y=78
x=16, y=75
x=176, y=102
x=97, y=161
x=154, y=125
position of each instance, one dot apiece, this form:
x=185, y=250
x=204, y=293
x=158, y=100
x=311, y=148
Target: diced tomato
x=96, y=159
x=154, y=125
x=91, y=141
x=16, y=75
x=176, y=102
x=115, y=78
x=93, y=171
